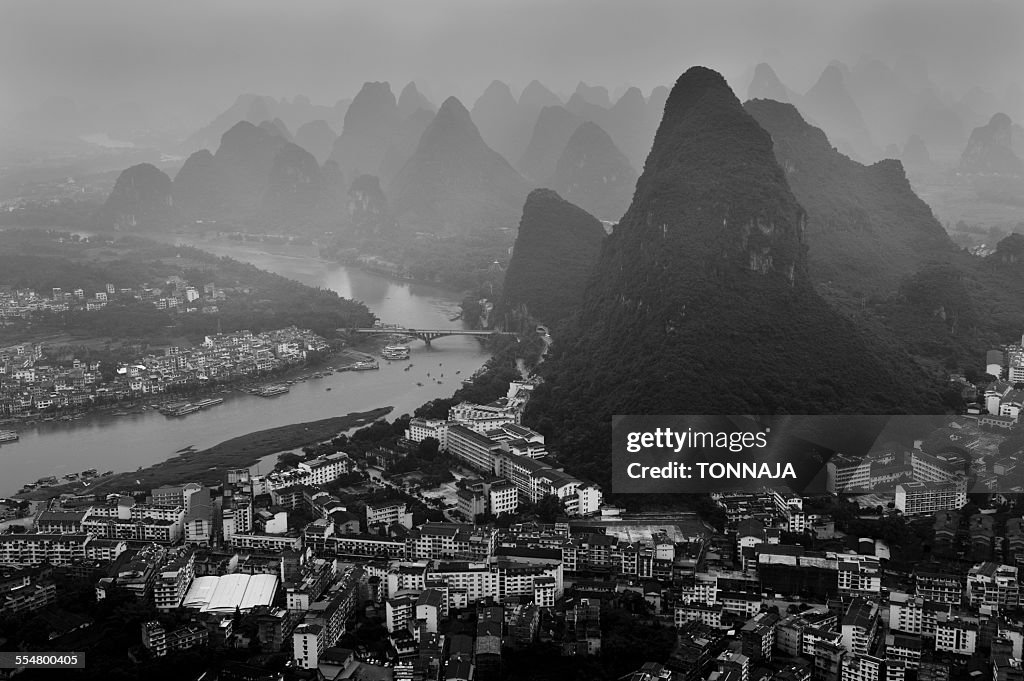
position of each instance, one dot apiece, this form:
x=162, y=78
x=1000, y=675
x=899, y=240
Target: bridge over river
x=428, y=335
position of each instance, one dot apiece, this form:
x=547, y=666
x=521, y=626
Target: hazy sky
x=193, y=57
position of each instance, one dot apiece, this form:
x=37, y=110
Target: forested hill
x=556, y=248
x=876, y=251
x=701, y=301
x=866, y=228
x=252, y=298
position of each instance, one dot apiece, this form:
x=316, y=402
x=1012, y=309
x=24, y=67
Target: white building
x=420, y=429
x=993, y=585
x=472, y=447
x=307, y=645
x=953, y=635
x=925, y=498
x=503, y=497
x=387, y=513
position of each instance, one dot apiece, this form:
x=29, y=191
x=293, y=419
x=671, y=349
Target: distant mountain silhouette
x=410, y=100
x=555, y=125
x=243, y=160
x=915, y=153
x=209, y=136
x=536, y=97
x=828, y=104
x=656, y=101
x=498, y=117
x=258, y=176
x=371, y=122
x=403, y=143
x=197, y=186
x=454, y=183
x=317, y=138
x=334, y=202
x=990, y=149
x=256, y=109
x=941, y=128
x=885, y=101
x=766, y=85
x=594, y=94
x=585, y=109
x=278, y=127
x=368, y=211
x=976, y=106
x=141, y=200
x=295, y=185
x=632, y=125
x=593, y=174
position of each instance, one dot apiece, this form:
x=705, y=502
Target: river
x=124, y=443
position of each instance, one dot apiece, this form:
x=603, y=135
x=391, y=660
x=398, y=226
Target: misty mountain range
x=740, y=231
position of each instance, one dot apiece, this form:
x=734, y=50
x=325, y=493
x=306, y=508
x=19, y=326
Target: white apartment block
x=266, y=542
x=308, y=645
x=859, y=575
x=925, y=498
x=953, y=635
x=420, y=429
x=993, y=585
x=174, y=580
x=503, y=498
x=848, y=473
x=387, y=513
x=35, y=549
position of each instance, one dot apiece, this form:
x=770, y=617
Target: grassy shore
x=207, y=466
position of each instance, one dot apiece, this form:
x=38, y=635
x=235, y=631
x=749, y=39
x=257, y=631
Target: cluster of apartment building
x=922, y=483
x=175, y=293
x=513, y=460
x=29, y=386
x=239, y=552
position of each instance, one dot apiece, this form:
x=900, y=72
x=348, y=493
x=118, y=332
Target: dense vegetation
x=255, y=299
x=701, y=301
x=141, y=196
x=593, y=174
x=67, y=213
x=474, y=262
x=877, y=253
x=865, y=226
x=454, y=183
x=555, y=252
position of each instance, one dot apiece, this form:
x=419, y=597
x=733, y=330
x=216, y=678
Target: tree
x=287, y=460
x=549, y=508
x=428, y=448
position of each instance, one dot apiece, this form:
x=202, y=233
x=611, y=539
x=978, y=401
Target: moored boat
x=395, y=352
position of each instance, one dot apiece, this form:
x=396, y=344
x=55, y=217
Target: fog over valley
x=501, y=340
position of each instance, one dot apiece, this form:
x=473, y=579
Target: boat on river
x=272, y=390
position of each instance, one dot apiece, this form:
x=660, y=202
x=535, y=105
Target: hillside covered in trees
x=253, y=299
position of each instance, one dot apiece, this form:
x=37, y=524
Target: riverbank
x=207, y=466
x=108, y=441
x=337, y=360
